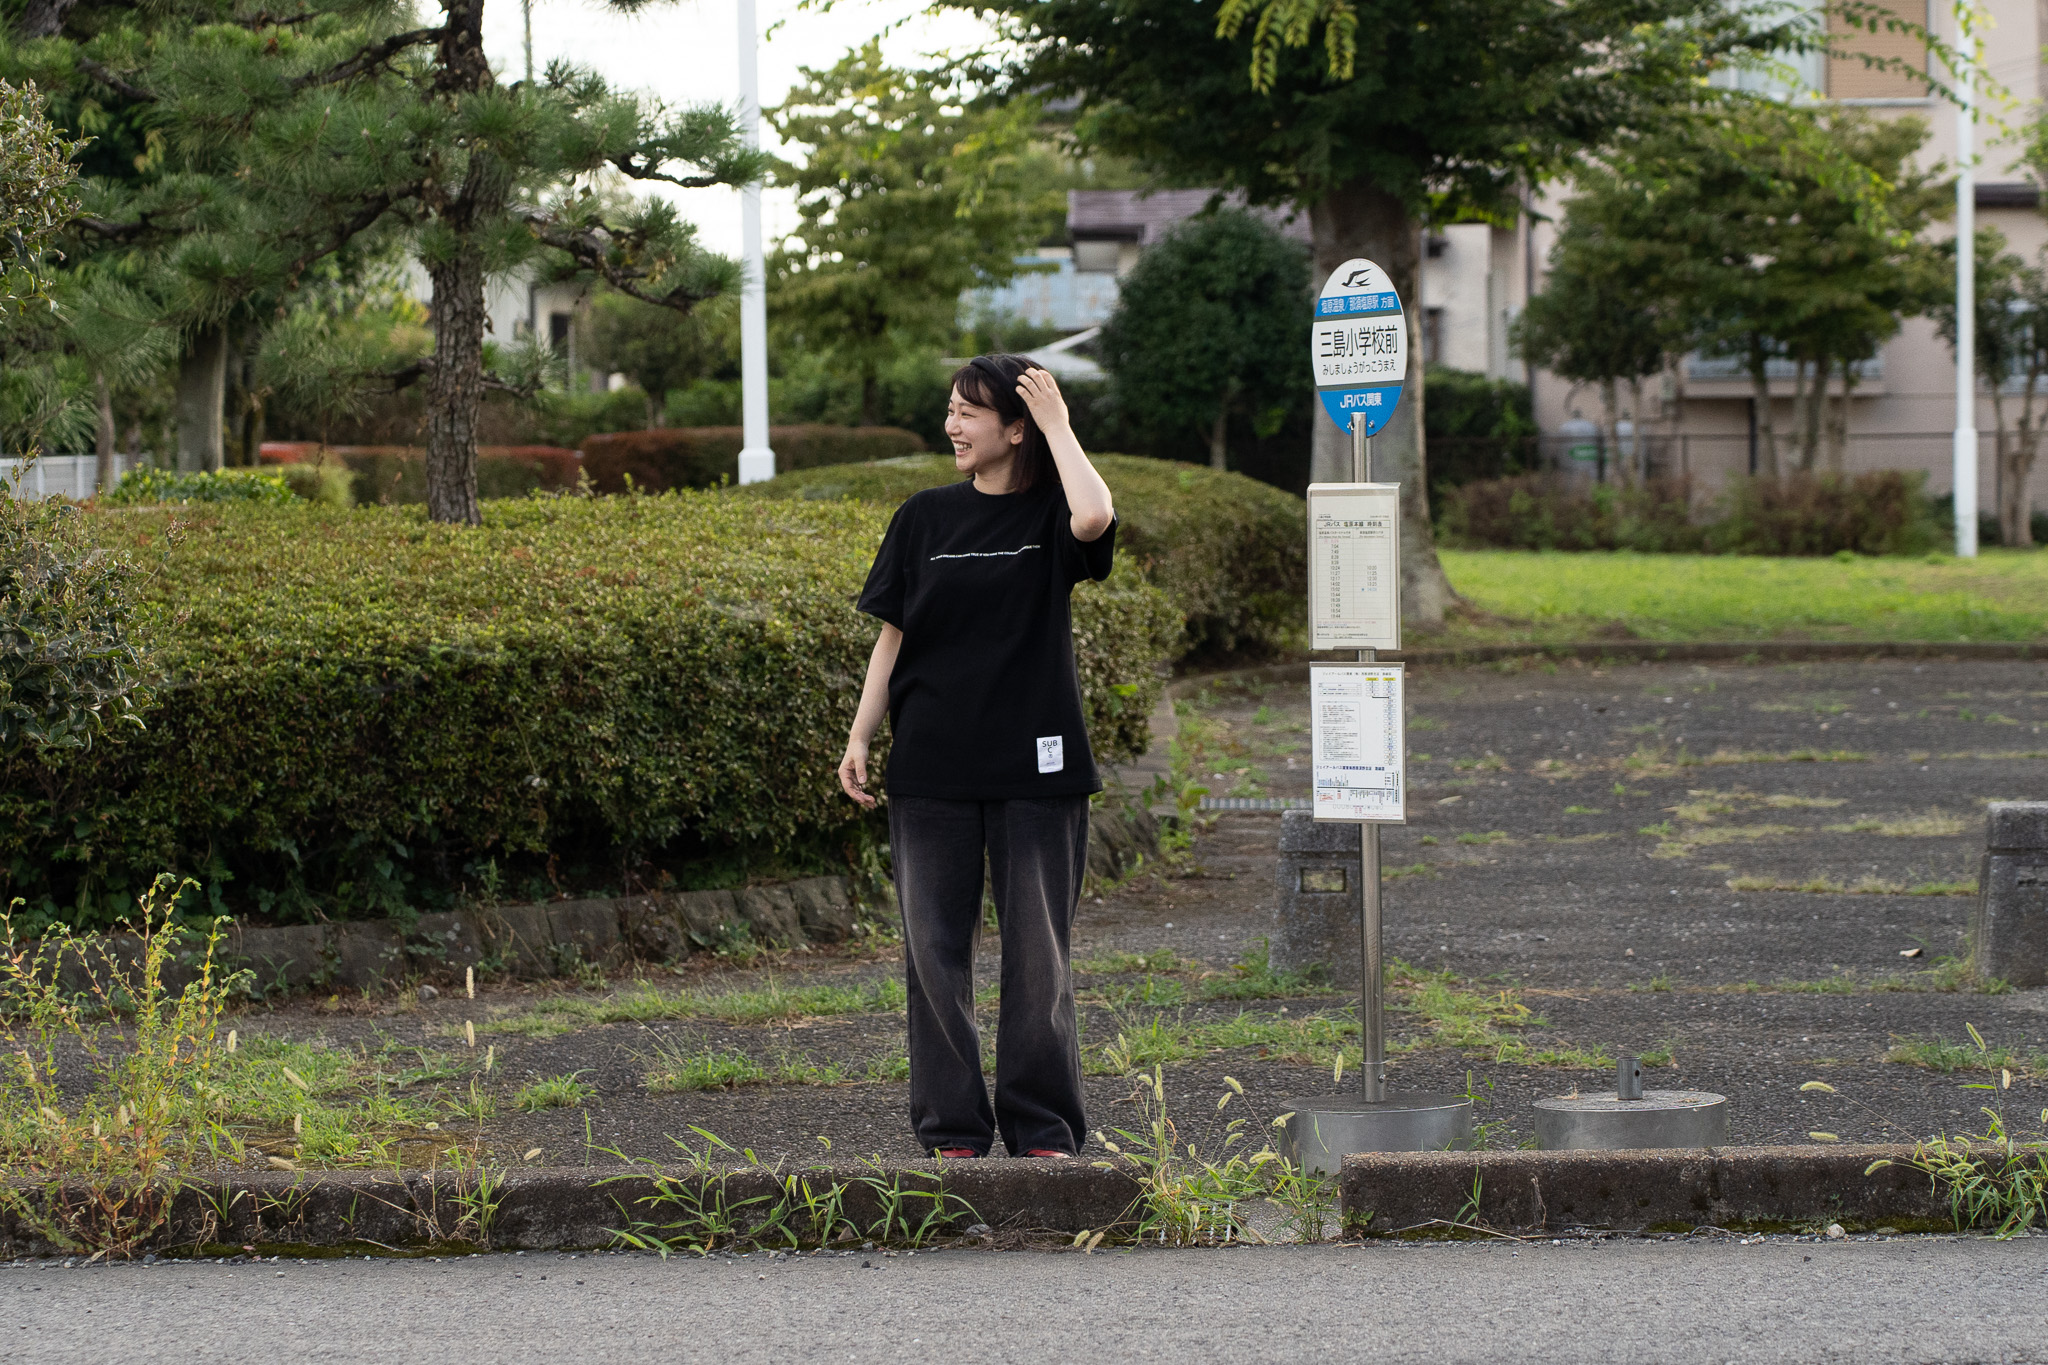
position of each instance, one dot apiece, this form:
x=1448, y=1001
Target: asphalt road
x=1906, y=1300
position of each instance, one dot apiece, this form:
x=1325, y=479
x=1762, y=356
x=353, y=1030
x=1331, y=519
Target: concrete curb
x=1735, y=1188
x=414, y=1212
x=1646, y=651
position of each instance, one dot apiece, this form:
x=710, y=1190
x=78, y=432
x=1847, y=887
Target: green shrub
x=398, y=474
x=146, y=485
x=1548, y=512
x=1883, y=512
x=1230, y=552
x=365, y=711
x=703, y=457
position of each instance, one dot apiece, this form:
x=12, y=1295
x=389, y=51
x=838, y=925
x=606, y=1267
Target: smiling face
x=982, y=444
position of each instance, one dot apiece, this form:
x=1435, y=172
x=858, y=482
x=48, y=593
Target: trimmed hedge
x=366, y=713
x=1877, y=513
x=398, y=474
x=703, y=457
x=1230, y=551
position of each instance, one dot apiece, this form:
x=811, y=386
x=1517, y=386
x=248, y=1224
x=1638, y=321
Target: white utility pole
x=526, y=14
x=757, y=459
x=1965, y=461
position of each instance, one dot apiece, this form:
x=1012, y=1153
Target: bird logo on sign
x=1358, y=279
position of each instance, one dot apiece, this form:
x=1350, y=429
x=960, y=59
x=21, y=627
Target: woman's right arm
x=874, y=704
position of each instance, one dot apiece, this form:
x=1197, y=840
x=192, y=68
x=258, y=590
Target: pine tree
x=295, y=135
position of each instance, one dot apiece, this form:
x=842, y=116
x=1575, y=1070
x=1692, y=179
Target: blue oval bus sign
x=1359, y=345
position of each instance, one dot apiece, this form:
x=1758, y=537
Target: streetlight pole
x=1965, y=454
x=757, y=458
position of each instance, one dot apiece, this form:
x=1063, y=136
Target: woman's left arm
x=1087, y=494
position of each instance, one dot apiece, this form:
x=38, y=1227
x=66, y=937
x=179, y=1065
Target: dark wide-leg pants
x=1036, y=852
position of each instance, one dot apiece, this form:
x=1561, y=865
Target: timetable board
x=1357, y=742
x=1354, y=565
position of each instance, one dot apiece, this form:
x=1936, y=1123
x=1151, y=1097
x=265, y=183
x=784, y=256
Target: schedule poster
x=1356, y=735
x=1354, y=565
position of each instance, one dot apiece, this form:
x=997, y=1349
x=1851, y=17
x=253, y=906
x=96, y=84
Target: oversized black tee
x=985, y=702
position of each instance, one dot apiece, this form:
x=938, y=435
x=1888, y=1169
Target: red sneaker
x=1049, y=1153
x=956, y=1153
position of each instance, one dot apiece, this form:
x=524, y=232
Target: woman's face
x=981, y=443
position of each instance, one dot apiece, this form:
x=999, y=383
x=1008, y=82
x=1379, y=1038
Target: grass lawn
x=1552, y=596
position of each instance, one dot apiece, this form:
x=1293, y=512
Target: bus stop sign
x=1359, y=345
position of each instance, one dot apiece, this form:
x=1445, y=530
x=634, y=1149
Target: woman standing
x=989, y=756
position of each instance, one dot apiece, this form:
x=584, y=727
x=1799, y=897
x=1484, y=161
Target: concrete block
x=653, y=928
x=1387, y=1193
x=770, y=911
x=707, y=916
x=520, y=938
x=590, y=928
x=824, y=908
x=445, y=943
x=288, y=958
x=2009, y=923
x=1318, y=900
x=366, y=955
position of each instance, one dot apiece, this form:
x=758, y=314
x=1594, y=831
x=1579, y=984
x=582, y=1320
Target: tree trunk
x=653, y=412
x=2015, y=522
x=202, y=389
x=1359, y=220
x=1610, y=431
x=1802, y=413
x=1837, y=425
x=43, y=18
x=870, y=398
x=455, y=386
x=1766, y=429
x=103, y=435
x=455, y=382
x=1219, y=451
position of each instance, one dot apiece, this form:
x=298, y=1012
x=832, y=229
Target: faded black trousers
x=1036, y=852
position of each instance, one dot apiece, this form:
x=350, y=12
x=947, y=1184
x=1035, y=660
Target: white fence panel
x=61, y=476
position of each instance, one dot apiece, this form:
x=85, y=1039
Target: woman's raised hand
x=1041, y=393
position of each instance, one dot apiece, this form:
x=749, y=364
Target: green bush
x=398, y=474
x=1230, y=552
x=1546, y=512
x=1883, y=512
x=704, y=457
x=365, y=712
x=146, y=485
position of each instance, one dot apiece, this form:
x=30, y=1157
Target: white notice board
x=1360, y=751
x=1354, y=565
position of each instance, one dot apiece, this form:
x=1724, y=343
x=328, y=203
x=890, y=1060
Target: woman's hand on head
x=1041, y=394
x=853, y=774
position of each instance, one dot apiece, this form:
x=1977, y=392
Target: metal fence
x=61, y=476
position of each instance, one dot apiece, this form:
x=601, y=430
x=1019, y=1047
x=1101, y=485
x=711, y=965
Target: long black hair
x=990, y=381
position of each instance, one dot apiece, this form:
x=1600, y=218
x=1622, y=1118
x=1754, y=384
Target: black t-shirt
x=985, y=702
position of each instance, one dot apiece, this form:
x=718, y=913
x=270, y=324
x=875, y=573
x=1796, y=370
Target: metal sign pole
x=1358, y=345
x=1372, y=1031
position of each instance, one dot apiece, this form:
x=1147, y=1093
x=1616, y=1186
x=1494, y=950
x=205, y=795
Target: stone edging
x=1646, y=651
x=555, y=1209
x=1751, y=1188
x=1733, y=1189
x=554, y=938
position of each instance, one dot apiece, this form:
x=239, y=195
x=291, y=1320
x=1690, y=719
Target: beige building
x=1903, y=411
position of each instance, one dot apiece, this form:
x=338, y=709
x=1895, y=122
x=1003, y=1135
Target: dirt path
x=1601, y=844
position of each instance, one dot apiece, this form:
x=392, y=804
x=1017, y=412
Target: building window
x=558, y=331
x=1096, y=257
x=1432, y=336
x=1849, y=79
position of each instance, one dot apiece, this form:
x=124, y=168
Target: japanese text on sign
x=1354, y=565
x=1357, y=741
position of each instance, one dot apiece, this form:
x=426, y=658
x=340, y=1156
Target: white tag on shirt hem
x=1052, y=754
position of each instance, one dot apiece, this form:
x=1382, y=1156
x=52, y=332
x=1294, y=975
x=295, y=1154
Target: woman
x=989, y=757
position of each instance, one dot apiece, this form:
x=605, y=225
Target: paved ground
x=1604, y=843
x=1902, y=1300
